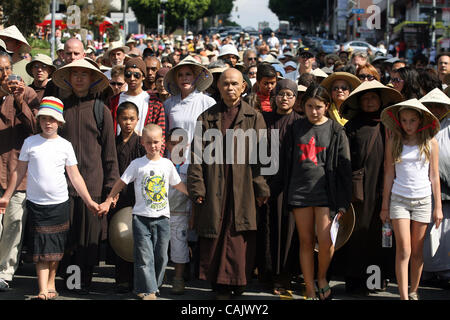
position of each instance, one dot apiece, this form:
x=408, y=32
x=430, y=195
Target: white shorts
x=179, y=249
x=419, y=210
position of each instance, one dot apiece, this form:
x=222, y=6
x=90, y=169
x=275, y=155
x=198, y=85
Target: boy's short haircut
x=117, y=71
x=126, y=105
x=152, y=127
x=265, y=70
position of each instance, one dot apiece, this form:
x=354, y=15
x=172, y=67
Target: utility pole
x=388, y=9
x=52, y=50
x=125, y=27
x=433, y=25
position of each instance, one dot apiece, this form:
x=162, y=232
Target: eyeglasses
x=252, y=73
x=118, y=84
x=306, y=56
x=128, y=75
x=396, y=80
x=343, y=88
x=363, y=76
x=287, y=95
x=252, y=58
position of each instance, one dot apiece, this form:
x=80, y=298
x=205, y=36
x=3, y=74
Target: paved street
x=25, y=285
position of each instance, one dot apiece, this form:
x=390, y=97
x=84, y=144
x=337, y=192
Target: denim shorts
x=417, y=209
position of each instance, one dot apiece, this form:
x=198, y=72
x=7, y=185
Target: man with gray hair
x=250, y=58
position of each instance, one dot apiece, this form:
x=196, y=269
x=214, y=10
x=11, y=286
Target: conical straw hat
x=351, y=106
x=14, y=33
x=436, y=96
x=390, y=117
x=203, y=77
x=99, y=80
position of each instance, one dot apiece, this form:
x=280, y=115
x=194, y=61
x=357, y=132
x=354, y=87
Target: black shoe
x=238, y=290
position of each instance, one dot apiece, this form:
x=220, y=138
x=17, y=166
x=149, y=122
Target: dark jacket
x=206, y=180
x=95, y=150
x=338, y=169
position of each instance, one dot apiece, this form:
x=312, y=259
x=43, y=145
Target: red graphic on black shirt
x=310, y=150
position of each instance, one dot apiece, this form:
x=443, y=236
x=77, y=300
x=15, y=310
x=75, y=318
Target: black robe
x=277, y=240
x=364, y=246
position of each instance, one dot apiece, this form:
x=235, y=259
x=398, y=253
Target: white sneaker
x=4, y=286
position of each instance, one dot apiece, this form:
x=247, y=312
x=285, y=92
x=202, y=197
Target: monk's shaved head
x=231, y=85
x=231, y=71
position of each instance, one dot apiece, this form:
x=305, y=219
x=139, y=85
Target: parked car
x=358, y=45
x=328, y=46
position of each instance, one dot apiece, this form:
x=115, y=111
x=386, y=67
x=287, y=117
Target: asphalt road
x=24, y=286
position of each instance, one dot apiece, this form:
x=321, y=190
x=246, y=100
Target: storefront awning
x=400, y=26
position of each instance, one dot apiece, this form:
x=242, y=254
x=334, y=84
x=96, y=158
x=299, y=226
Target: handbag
x=358, y=175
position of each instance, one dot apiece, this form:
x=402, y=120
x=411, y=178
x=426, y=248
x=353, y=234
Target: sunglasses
x=39, y=65
x=306, y=56
x=366, y=76
x=137, y=75
x=252, y=73
x=254, y=59
x=118, y=84
x=396, y=80
x=343, y=88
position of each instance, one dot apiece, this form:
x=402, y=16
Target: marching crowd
x=100, y=134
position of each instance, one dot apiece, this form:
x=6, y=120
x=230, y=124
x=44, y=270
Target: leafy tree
x=219, y=7
x=25, y=14
x=309, y=12
x=146, y=11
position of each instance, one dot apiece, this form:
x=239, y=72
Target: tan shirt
x=14, y=128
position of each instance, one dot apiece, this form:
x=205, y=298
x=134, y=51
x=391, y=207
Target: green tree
x=25, y=14
x=309, y=12
x=146, y=11
x=219, y=7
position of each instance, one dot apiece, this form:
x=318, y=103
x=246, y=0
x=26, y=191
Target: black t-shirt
x=308, y=184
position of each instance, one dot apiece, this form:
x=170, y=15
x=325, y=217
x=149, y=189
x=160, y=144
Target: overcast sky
x=250, y=12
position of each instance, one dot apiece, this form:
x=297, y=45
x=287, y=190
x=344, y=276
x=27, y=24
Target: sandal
x=52, y=294
x=279, y=290
x=38, y=297
x=325, y=289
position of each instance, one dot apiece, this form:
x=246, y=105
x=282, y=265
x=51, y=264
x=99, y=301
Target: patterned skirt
x=49, y=225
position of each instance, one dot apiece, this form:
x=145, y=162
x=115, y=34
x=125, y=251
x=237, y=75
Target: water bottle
x=386, y=232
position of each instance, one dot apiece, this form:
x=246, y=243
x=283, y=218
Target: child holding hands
x=46, y=156
x=152, y=176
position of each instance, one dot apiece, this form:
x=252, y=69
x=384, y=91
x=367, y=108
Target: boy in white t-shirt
x=152, y=176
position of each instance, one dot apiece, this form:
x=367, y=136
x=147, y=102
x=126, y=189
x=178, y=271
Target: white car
x=358, y=45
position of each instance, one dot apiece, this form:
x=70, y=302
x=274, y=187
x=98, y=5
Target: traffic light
x=358, y=26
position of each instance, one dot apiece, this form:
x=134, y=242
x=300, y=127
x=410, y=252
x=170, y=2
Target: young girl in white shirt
x=46, y=156
x=411, y=177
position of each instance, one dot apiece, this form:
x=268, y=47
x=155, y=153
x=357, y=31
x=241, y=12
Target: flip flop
x=54, y=294
x=325, y=289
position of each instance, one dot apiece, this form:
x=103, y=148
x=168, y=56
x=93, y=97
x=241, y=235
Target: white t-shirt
x=141, y=101
x=151, y=185
x=47, y=160
x=184, y=113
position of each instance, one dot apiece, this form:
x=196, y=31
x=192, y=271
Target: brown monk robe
x=225, y=195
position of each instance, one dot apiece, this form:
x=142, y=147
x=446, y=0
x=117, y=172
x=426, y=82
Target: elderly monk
x=225, y=194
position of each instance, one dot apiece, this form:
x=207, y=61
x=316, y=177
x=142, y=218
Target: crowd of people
x=357, y=139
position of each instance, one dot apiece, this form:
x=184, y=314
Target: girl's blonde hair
x=422, y=137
